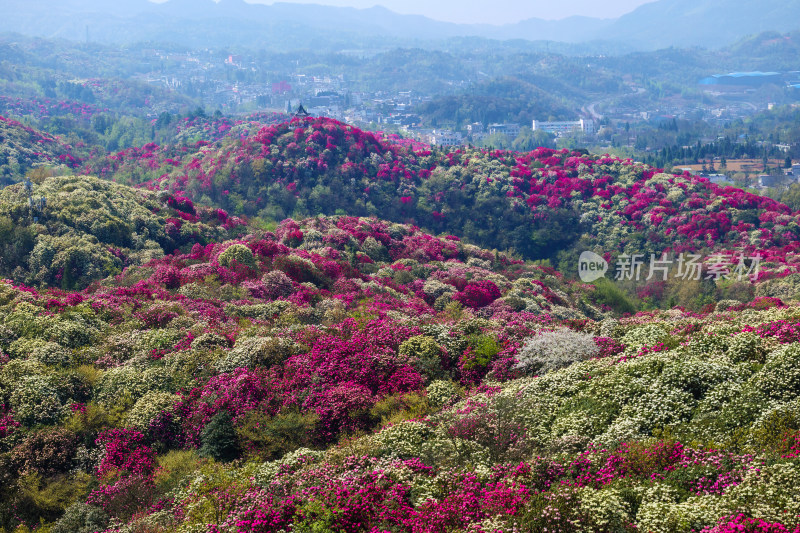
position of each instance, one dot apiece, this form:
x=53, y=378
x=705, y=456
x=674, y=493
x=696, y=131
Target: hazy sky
x=491, y=11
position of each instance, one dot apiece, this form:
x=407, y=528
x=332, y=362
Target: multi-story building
x=564, y=127
x=510, y=129
x=445, y=138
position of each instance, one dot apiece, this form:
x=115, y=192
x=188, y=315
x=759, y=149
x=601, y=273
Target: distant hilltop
x=659, y=24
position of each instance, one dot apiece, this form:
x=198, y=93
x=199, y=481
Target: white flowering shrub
x=71, y=333
x=695, y=376
x=661, y=405
x=51, y=353
x=435, y=289
x=24, y=346
x=424, y=353
x=623, y=429
x=238, y=253
x=608, y=509
x=780, y=377
x=551, y=350
x=746, y=347
x=375, y=250
x=148, y=407
x=250, y=352
x=277, y=284
x=292, y=461
x=130, y=382
x=405, y=439
x=195, y=291
x=36, y=400
x=707, y=345
x=24, y=321
x=209, y=341
x=648, y=335
x=441, y=393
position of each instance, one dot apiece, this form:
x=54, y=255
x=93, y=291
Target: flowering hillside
x=43, y=109
x=191, y=130
x=167, y=366
x=23, y=148
x=352, y=374
x=90, y=229
x=538, y=203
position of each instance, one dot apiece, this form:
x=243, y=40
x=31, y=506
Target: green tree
x=218, y=439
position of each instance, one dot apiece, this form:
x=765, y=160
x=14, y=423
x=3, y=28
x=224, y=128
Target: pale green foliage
x=148, y=407
x=195, y=291
x=239, y=253
x=250, y=352
x=424, y=353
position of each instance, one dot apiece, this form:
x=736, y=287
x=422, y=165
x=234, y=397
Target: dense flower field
x=350, y=374
x=356, y=374
x=45, y=108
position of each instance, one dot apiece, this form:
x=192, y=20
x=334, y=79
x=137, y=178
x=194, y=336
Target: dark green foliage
x=607, y=293
x=45, y=452
x=218, y=439
x=271, y=437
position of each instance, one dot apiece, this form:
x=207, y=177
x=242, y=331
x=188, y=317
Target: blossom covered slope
x=89, y=229
x=351, y=374
x=538, y=203
x=23, y=148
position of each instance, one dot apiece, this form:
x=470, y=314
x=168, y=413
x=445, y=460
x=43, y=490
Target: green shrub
x=271, y=437
x=425, y=354
x=607, y=293
x=238, y=253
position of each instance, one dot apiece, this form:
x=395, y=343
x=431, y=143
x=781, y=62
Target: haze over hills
x=664, y=23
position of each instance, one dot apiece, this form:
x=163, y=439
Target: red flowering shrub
x=477, y=294
x=125, y=453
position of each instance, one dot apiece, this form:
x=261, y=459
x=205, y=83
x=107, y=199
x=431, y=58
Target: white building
x=510, y=129
x=445, y=138
x=564, y=127
x=475, y=128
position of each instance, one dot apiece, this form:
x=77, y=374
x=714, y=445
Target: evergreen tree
x=218, y=438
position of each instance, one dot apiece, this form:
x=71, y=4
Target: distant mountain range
x=659, y=24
